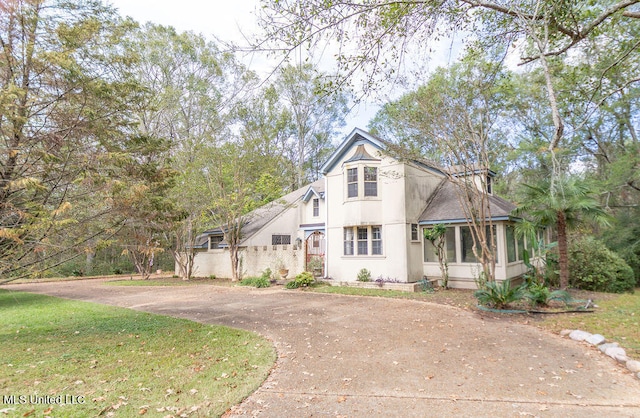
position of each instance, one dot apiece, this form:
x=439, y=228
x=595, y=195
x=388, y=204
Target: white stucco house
x=367, y=211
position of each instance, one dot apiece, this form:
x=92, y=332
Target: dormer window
x=316, y=207
x=352, y=182
x=362, y=182
x=370, y=181
x=214, y=242
x=361, y=173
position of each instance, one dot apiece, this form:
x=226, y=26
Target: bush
x=303, y=279
x=592, y=266
x=255, y=282
x=540, y=295
x=364, y=275
x=499, y=294
x=631, y=255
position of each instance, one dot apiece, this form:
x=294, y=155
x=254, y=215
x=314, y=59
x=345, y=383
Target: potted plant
x=282, y=270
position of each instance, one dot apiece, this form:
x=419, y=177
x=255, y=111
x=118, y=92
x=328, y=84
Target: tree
x=562, y=203
x=544, y=32
x=65, y=97
x=233, y=192
x=194, y=88
x=315, y=116
x=142, y=201
x=435, y=236
x=452, y=120
x=543, y=29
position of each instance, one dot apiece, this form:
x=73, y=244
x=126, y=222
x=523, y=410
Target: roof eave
x=463, y=220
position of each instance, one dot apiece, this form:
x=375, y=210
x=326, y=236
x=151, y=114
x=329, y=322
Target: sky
x=221, y=18
x=232, y=21
x=226, y=20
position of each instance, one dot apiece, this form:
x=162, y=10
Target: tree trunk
x=563, y=256
x=233, y=253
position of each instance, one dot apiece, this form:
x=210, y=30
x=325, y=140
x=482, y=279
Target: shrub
x=631, y=255
x=364, y=275
x=540, y=295
x=255, y=282
x=594, y=267
x=292, y=285
x=303, y=279
x=499, y=294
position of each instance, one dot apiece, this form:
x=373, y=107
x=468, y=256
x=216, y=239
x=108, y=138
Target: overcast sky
x=232, y=21
x=223, y=18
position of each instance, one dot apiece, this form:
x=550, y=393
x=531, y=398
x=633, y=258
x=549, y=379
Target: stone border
x=612, y=349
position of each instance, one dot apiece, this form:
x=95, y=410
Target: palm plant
x=561, y=202
x=499, y=294
x=540, y=295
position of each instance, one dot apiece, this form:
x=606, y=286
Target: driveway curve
x=362, y=357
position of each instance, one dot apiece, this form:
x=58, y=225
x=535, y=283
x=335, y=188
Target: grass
x=121, y=362
x=617, y=318
x=455, y=297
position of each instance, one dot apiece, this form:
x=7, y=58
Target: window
x=370, y=181
x=316, y=207
x=511, y=244
x=352, y=182
x=414, y=232
x=520, y=247
x=348, y=241
x=376, y=240
x=489, y=184
x=430, y=254
x=214, y=242
x=467, y=244
x=280, y=239
x=363, y=241
x=450, y=244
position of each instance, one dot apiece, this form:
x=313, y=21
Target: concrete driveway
x=362, y=357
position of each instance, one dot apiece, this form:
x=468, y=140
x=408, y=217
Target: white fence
x=253, y=261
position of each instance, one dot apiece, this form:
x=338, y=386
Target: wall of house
x=387, y=210
x=255, y=259
x=419, y=185
x=462, y=275
x=285, y=224
x=306, y=211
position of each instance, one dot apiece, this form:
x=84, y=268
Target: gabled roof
x=444, y=206
x=356, y=137
x=314, y=189
x=260, y=217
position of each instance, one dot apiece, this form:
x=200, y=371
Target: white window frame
x=363, y=241
x=370, y=173
x=352, y=180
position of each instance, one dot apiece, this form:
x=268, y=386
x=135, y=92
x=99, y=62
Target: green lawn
x=118, y=362
x=617, y=318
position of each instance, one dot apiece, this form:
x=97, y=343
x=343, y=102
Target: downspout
x=326, y=226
